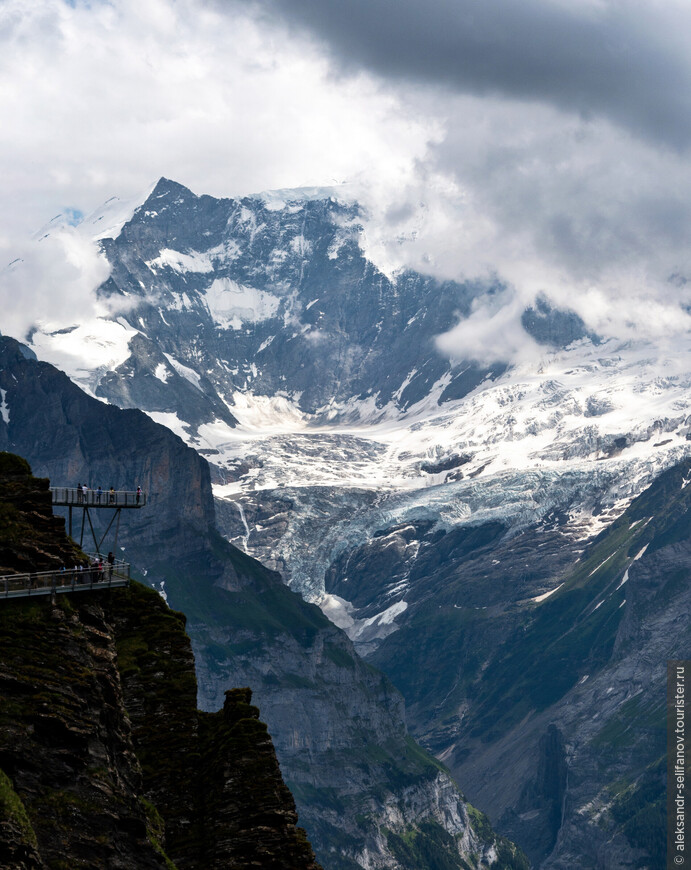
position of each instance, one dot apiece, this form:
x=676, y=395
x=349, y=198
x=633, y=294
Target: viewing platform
x=75, y=497
x=85, y=579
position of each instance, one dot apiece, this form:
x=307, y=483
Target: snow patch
x=231, y=304
x=301, y=246
x=595, y=570
x=88, y=351
x=108, y=220
x=545, y=595
x=264, y=415
x=265, y=343
x=338, y=610
x=291, y=199
x=194, y=261
x=173, y=422
x=161, y=372
x=4, y=407
x=184, y=371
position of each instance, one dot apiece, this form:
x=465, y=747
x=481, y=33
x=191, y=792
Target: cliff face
x=72, y=438
x=32, y=538
x=105, y=761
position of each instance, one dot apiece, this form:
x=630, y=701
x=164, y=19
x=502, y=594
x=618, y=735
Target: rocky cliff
x=104, y=760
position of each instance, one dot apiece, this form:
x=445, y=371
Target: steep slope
x=98, y=718
x=550, y=708
x=338, y=726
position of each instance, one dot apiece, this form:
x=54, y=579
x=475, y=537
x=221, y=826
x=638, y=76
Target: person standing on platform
x=139, y=493
x=111, y=495
x=79, y=493
x=99, y=493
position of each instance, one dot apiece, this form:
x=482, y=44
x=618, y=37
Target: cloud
x=104, y=98
x=625, y=60
x=492, y=332
x=51, y=283
x=546, y=202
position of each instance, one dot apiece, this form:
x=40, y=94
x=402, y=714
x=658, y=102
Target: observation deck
x=85, y=579
x=75, y=497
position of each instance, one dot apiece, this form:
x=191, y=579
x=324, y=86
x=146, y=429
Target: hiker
x=85, y=492
x=111, y=495
x=79, y=493
x=139, y=493
x=99, y=493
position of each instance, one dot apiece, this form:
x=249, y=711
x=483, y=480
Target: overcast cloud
x=544, y=143
x=626, y=60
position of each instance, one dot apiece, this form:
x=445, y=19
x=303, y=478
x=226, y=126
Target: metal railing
x=78, y=579
x=63, y=495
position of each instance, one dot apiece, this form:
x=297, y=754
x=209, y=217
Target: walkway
x=72, y=580
x=74, y=497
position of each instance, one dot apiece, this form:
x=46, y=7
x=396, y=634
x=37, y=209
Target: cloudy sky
x=547, y=142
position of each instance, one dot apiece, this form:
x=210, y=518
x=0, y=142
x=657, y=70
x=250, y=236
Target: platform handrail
x=102, y=575
x=66, y=495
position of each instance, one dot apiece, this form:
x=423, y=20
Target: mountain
x=363, y=787
x=270, y=297
x=429, y=506
x=104, y=759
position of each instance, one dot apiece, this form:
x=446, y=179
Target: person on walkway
x=111, y=495
x=79, y=493
x=139, y=493
x=85, y=493
x=99, y=493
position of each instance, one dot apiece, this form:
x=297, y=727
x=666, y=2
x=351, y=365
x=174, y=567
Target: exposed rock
x=31, y=539
x=549, y=325
x=98, y=720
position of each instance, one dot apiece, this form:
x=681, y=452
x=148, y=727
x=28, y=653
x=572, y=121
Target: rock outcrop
x=105, y=761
